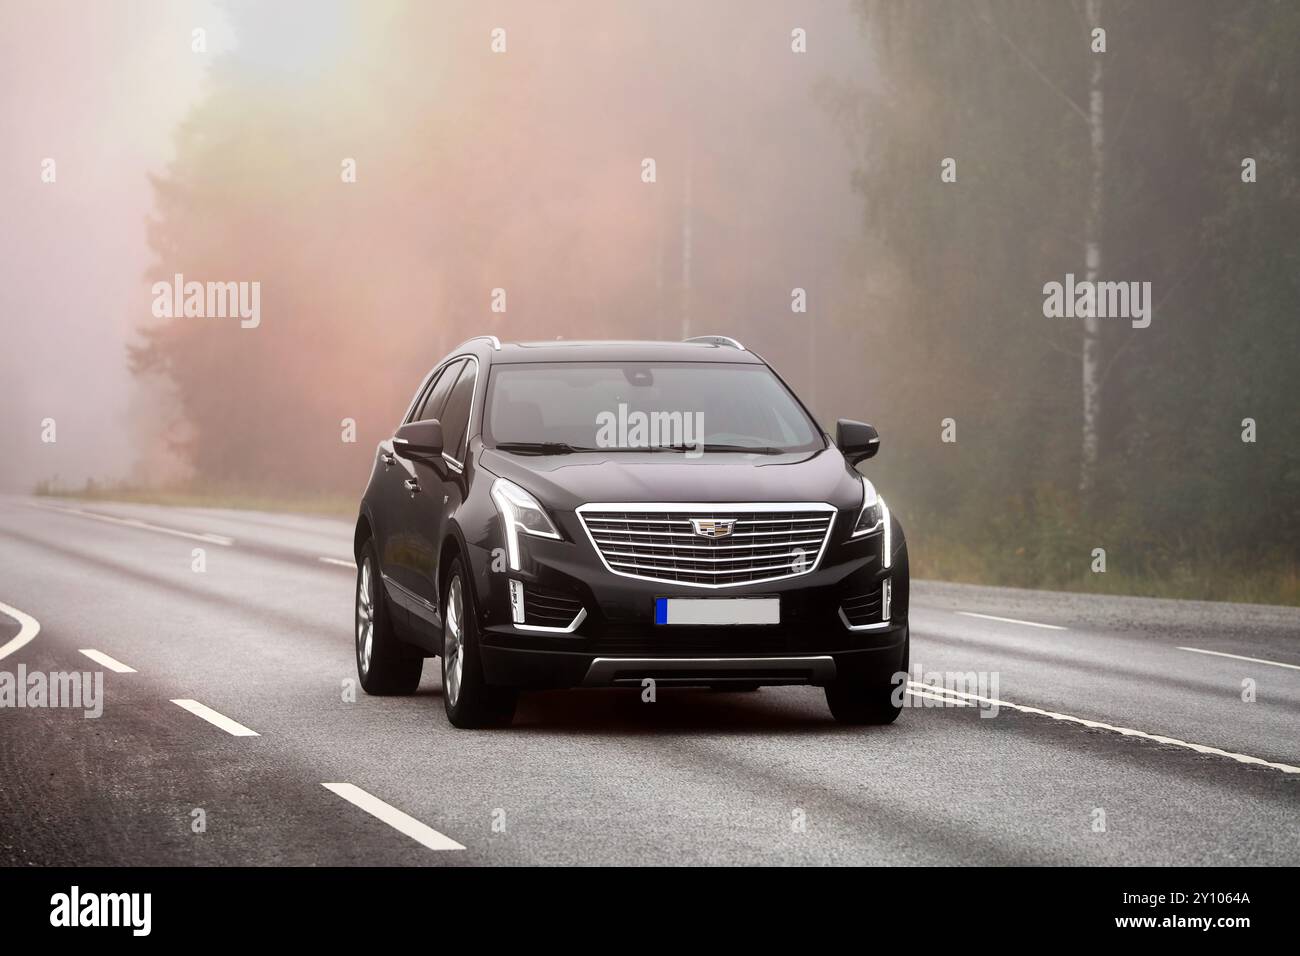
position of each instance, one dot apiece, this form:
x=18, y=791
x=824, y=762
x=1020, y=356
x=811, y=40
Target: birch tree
x=1091, y=370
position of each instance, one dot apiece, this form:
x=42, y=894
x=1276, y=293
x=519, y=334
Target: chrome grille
x=659, y=542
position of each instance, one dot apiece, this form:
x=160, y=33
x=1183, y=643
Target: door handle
x=388, y=458
x=411, y=485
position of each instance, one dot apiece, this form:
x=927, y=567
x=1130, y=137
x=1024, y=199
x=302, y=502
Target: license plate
x=696, y=611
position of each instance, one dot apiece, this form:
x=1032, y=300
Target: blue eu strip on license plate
x=707, y=611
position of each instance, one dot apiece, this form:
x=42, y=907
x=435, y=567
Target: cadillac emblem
x=713, y=527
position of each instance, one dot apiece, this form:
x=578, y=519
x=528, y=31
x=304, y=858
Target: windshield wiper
x=541, y=447
x=747, y=449
x=564, y=448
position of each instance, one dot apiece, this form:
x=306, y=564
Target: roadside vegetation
x=330, y=504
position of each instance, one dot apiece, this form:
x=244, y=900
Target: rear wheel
x=384, y=664
x=470, y=701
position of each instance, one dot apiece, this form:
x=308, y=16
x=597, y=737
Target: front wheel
x=855, y=703
x=470, y=701
x=862, y=702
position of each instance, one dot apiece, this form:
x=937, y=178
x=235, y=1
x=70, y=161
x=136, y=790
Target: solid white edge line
x=1236, y=657
x=103, y=660
x=232, y=727
x=395, y=818
x=1012, y=620
x=1098, y=725
x=28, y=628
x=205, y=537
x=340, y=562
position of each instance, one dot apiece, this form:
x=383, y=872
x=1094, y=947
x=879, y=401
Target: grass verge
x=324, y=503
x=1259, y=579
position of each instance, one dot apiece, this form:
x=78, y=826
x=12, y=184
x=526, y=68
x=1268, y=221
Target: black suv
x=556, y=514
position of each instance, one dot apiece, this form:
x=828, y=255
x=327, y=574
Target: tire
x=470, y=701
x=384, y=664
x=860, y=702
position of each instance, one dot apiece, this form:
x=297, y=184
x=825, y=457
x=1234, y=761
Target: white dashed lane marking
x=103, y=660
x=395, y=818
x=232, y=727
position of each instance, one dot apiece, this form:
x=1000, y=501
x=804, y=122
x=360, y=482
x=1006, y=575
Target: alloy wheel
x=453, y=652
x=365, y=617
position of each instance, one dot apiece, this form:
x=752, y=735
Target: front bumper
x=617, y=642
x=532, y=667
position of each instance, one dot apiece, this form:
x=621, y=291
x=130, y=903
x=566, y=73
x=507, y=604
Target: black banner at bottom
x=337, y=905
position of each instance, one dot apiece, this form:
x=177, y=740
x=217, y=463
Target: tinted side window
x=455, y=417
x=417, y=409
x=436, y=397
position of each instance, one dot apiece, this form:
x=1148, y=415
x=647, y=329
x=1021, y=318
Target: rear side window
x=436, y=396
x=455, y=417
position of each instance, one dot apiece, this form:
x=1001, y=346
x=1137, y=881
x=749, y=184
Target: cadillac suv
x=559, y=514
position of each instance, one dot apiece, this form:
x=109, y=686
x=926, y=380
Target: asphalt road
x=263, y=637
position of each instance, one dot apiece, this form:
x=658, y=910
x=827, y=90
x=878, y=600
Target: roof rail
x=496, y=342
x=716, y=340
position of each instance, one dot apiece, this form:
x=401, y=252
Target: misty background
x=775, y=170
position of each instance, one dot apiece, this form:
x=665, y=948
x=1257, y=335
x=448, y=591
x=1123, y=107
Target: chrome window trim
x=712, y=507
x=419, y=393
x=453, y=463
x=424, y=383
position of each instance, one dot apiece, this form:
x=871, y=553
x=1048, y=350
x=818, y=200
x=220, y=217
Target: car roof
x=565, y=350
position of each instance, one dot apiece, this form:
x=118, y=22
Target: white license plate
x=717, y=610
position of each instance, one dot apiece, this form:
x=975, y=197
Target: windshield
x=685, y=406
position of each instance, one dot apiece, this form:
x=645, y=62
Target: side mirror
x=857, y=440
x=418, y=440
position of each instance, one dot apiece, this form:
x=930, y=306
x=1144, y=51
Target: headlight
x=874, y=517
x=871, y=516
x=520, y=512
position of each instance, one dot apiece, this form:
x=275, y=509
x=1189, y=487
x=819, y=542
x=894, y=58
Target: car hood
x=566, y=481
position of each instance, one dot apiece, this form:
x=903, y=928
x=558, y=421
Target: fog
x=875, y=195
x=99, y=90
x=475, y=170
